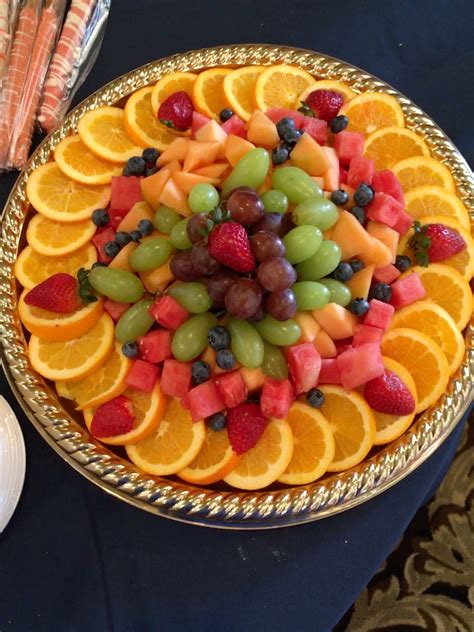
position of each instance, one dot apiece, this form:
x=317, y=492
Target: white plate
x=12, y=462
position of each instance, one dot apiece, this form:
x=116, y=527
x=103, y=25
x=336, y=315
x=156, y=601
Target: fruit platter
x=236, y=287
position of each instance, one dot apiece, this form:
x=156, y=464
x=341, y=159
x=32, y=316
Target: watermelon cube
x=379, y=314
x=358, y=365
x=176, y=378
x=232, y=388
x=276, y=114
x=205, y=400
x=304, y=363
x=386, y=182
x=142, y=376
x=125, y=192
x=365, y=334
x=155, y=346
x=361, y=170
x=276, y=398
x=387, y=274
x=349, y=145
x=199, y=120
x=168, y=312
x=403, y=223
x=316, y=128
x=384, y=209
x=329, y=373
x=235, y=125
x=102, y=237
x=407, y=290
x=116, y=216
x=115, y=309
x=342, y=175
x=343, y=345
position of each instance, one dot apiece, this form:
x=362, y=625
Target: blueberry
x=99, y=264
x=126, y=172
x=219, y=338
x=122, y=238
x=146, y=227
x=363, y=195
x=381, y=291
x=136, y=235
x=358, y=306
x=280, y=155
x=100, y=217
x=343, y=272
x=339, y=197
x=292, y=136
x=130, y=349
x=225, y=359
x=217, y=421
x=284, y=125
x=150, y=171
x=357, y=265
x=358, y=213
x=225, y=114
x=402, y=263
x=136, y=165
x=201, y=372
x=315, y=398
x=111, y=249
x=339, y=124
x=150, y=155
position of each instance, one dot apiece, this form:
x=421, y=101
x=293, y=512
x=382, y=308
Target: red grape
x=266, y=245
x=243, y=298
x=276, y=274
x=272, y=222
x=182, y=268
x=218, y=285
x=241, y=188
x=245, y=207
x=202, y=260
x=281, y=305
x=197, y=227
x=259, y=314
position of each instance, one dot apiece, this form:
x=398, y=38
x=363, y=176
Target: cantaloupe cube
x=209, y=356
x=336, y=321
x=236, y=147
x=351, y=236
x=350, y=192
x=174, y=165
x=186, y=180
x=153, y=186
x=325, y=345
x=157, y=280
x=254, y=378
x=331, y=177
x=120, y=261
x=261, y=130
x=308, y=325
x=327, y=234
x=378, y=254
x=213, y=132
x=176, y=150
x=310, y=156
x=217, y=170
x=173, y=197
x=139, y=211
x=386, y=235
x=359, y=285
x=200, y=154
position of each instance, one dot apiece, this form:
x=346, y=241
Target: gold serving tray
x=221, y=507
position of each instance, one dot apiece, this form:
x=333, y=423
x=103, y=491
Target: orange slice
x=141, y=123
x=390, y=427
x=148, y=409
x=353, y=425
x=239, y=89
x=58, y=197
x=431, y=200
x=423, y=359
x=446, y=287
x=326, y=84
x=103, y=132
x=389, y=145
x=265, y=463
x=31, y=268
x=172, y=446
x=102, y=385
x=419, y=171
x=167, y=85
x=53, y=239
x=437, y=324
x=215, y=460
x=208, y=91
x=78, y=163
x=314, y=446
x=370, y=111
x=73, y=359
x=58, y=327
x=280, y=86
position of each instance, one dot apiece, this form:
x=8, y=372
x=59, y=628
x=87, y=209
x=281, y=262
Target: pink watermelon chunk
x=358, y=365
x=125, y=192
x=276, y=114
x=349, y=145
x=199, y=120
x=276, y=398
x=232, y=388
x=304, y=363
x=385, y=209
x=142, y=376
x=379, y=314
x=168, y=312
x=115, y=309
x=329, y=373
x=176, y=378
x=365, y=334
x=116, y=216
x=407, y=290
x=205, y=400
x=343, y=175
x=155, y=346
x=316, y=128
x=403, y=223
x=386, y=182
x=387, y=274
x=235, y=125
x=102, y=237
x=361, y=170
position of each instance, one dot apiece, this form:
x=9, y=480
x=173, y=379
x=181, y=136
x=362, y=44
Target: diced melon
x=174, y=165
x=407, y=290
x=336, y=321
x=327, y=234
x=217, y=170
x=384, y=209
x=186, y=180
x=254, y=378
x=349, y=145
x=386, y=182
x=308, y=325
x=351, y=236
x=235, y=125
x=173, y=197
x=209, y=356
x=325, y=345
x=310, y=156
x=213, y=132
x=316, y=128
x=378, y=254
x=157, y=279
x=236, y=147
x=200, y=154
x=329, y=373
x=332, y=175
x=120, y=261
x=404, y=223
x=387, y=274
x=386, y=235
x=361, y=170
x=261, y=130
x=358, y=365
x=139, y=211
x=359, y=285
x=276, y=114
x=176, y=150
x=350, y=192
x=365, y=334
x=379, y=314
x=153, y=186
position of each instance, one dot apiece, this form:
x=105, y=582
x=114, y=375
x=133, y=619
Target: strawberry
x=229, y=244
x=177, y=111
x=113, y=418
x=435, y=242
x=59, y=293
x=389, y=394
x=324, y=103
x=245, y=426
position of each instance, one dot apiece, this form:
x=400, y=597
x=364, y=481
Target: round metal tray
x=279, y=506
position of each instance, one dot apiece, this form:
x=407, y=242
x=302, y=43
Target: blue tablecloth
x=74, y=558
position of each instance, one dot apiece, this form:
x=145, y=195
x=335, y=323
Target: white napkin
x=12, y=462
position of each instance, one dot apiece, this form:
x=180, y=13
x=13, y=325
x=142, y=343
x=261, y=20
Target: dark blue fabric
x=74, y=558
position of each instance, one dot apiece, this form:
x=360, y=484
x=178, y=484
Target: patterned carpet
x=427, y=583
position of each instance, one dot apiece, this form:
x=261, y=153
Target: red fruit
x=58, y=293
x=113, y=418
x=229, y=244
x=276, y=398
x=342, y=175
x=168, y=312
x=316, y=128
x=245, y=426
x=407, y=290
x=176, y=378
x=102, y=237
x=361, y=170
x=235, y=125
x=389, y=394
x=445, y=242
x=386, y=182
x=232, y=388
x=205, y=400
x=329, y=373
x=125, y=192
x=176, y=111
x=358, y=365
x=404, y=223
x=385, y=209
x=365, y=334
x=387, y=274
x=325, y=103
x=276, y=114
x=379, y=314
x=304, y=363
x=349, y=145
x=115, y=309
x=155, y=346
x=142, y=376
x=198, y=121
x=116, y=216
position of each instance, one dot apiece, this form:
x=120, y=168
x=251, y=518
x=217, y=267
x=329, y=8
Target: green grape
x=165, y=219
x=323, y=262
x=280, y=333
x=150, y=254
x=340, y=293
x=179, y=236
x=190, y=339
x=295, y=183
x=135, y=322
x=246, y=343
x=119, y=285
x=302, y=242
x=316, y=211
x=274, y=201
x=192, y=296
x=203, y=198
x=250, y=171
x=274, y=362
x=310, y=295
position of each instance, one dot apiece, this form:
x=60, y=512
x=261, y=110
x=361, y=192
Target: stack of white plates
x=12, y=462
